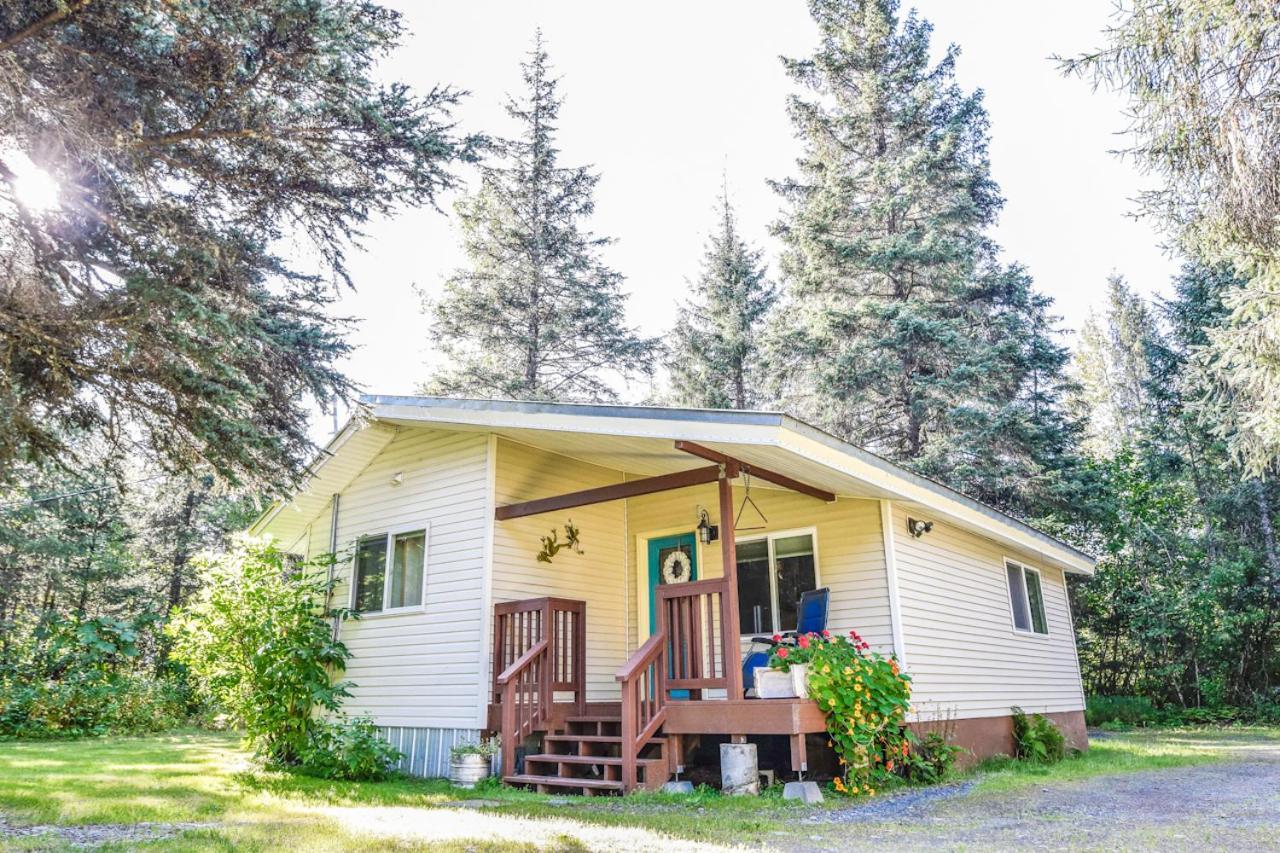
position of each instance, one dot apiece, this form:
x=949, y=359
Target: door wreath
x=676, y=568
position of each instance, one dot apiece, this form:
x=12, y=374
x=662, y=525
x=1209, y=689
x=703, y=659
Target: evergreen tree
x=715, y=362
x=902, y=333
x=536, y=313
x=155, y=158
x=1202, y=80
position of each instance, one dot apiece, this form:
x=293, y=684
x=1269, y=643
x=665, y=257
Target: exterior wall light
x=918, y=528
x=707, y=532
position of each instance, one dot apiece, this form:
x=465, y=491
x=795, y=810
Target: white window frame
x=390, y=533
x=1026, y=594
x=770, y=536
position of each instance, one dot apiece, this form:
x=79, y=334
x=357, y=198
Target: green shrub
x=351, y=750
x=487, y=747
x=78, y=678
x=86, y=704
x=1128, y=710
x=259, y=641
x=930, y=757
x=1037, y=738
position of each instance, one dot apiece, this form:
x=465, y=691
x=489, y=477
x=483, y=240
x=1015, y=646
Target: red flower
x=777, y=638
x=782, y=653
x=826, y=633
x=804, y=642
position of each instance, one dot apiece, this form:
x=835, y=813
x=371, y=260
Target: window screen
x=794, y=559
x=408, y=554
x=371, y=571
x=1026, y=599
x=1035, y=599
x=754, y=595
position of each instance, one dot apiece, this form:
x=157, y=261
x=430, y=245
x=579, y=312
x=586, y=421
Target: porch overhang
x=646, y=442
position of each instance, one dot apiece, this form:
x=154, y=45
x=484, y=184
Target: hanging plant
x=551, y=545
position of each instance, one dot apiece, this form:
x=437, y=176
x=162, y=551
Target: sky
x=666, y=98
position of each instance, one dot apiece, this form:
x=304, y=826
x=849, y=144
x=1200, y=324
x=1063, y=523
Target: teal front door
x=672, y=559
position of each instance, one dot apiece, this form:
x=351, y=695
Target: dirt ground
x=1231, y=805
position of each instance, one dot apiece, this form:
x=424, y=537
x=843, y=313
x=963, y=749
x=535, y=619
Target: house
x=605, y=668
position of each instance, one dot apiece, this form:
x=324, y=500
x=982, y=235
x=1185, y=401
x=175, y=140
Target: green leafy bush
x=929, y=758
x=350, y=750
x=80, y=678
x=487, y=747
x=1037, y=738
x=259, y=641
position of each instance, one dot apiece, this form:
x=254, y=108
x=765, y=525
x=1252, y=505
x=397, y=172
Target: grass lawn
x=207, y=781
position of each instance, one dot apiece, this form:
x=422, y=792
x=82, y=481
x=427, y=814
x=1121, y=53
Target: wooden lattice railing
x=539, y=651
x=687, y=651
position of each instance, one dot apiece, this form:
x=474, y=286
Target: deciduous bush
x=259, y=640
x=1037, y=738
x=77, y=678
x=350, y=750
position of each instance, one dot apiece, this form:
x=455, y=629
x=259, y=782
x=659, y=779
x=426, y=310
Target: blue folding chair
x=811, y=619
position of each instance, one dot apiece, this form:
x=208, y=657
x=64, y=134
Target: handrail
x=523, y=662
x=644, y=701
x=547, y=638
x=639, y=657
x=526, y=699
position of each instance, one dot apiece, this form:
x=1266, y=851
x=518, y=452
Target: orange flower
x=889, y=765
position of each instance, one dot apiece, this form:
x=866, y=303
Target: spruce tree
x=902, y=332
x=535, y=313
x=715, y=362
x=157, y=161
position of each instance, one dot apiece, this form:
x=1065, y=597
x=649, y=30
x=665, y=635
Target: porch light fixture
x=707, y=532
x=918, y=528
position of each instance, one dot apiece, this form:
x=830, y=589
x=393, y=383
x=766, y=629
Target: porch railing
x=539, y=651
x=687, y=651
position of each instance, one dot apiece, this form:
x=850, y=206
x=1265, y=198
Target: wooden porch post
x=729, y=628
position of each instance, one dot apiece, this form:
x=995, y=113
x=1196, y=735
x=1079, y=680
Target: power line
x=76, y=494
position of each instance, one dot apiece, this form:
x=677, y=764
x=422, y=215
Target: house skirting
x=426, y=750
x=985, y=737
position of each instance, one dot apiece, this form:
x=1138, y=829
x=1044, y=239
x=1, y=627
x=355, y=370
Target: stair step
x=594, y=718
x=583, y=738
x=562, y=782
x=552, y=758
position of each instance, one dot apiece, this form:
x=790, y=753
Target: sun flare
x=32, y=187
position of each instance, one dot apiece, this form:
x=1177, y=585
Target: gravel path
x=1232, y=805
x=92, y=835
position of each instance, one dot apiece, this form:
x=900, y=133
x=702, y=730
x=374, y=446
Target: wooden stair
x=586, y=759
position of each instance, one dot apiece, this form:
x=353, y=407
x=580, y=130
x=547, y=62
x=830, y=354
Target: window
x=390, y=571
x=772, y=573
x=1026, y=598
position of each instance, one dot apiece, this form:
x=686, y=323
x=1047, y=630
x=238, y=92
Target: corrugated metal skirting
x=426, y=751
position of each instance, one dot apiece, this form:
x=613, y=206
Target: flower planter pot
x=776, y=684
x=466, y=770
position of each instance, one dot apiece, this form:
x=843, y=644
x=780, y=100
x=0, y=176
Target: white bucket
x=739, y=769
x=466, y=770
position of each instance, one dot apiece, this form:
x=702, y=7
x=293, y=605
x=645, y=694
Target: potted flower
x=786, y=677
x=471, y=762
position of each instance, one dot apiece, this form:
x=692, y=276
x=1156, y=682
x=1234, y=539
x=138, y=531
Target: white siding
x=420, y=668
x=962, y=652
x=597, y=576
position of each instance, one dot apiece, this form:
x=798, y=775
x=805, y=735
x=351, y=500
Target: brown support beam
x=730, y=630
x=755, y=471
x=617, y=491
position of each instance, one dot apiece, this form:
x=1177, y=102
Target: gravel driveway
x=1233, y=804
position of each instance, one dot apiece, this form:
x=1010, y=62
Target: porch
x=642, y=740
x=680, y=685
